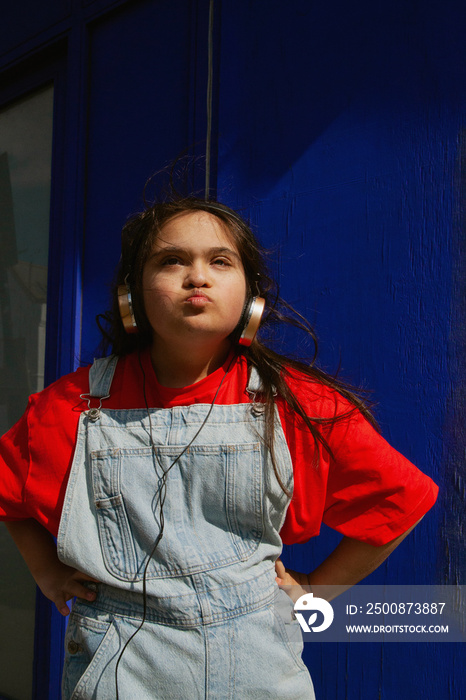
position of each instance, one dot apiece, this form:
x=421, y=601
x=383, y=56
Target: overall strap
x=255, y=385
x=101, y=376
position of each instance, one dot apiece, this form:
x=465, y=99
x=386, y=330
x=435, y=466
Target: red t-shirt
x=365, y=490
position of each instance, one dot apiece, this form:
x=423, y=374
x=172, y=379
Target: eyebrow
x=211, y=251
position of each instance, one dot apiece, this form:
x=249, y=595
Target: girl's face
x=194, y=286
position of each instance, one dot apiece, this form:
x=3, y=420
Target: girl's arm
x=349, y=563
x=57, y=581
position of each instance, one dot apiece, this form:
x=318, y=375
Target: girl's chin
x=201, y=327
x=191, y=336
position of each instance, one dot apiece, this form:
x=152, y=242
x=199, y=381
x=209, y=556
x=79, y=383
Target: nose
x=197, y=275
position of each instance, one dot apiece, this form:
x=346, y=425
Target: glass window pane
x=25, y=170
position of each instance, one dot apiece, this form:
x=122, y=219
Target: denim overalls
x=213, y=626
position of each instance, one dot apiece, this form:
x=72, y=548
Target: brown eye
x=172, y=260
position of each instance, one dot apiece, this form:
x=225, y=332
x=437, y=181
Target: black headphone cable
x=161, y=499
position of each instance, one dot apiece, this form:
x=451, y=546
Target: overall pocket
x=287, y=628
x=87, y=643
x=212, y=507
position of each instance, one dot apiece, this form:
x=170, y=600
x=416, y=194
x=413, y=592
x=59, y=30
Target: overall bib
x=217, y=626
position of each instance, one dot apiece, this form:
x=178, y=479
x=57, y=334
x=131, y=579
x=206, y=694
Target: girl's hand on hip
x=288, y=577
x=57, y=581
x=60, y=583
x=291, y=581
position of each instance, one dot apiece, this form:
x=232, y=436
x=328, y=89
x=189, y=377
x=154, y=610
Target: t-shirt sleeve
x=36, y=453
x=14, y=469
x=373, y=494
x=362, y=487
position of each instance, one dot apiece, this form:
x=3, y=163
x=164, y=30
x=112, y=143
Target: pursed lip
x=198, y=297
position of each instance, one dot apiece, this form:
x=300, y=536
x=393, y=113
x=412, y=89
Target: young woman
x=172, y=470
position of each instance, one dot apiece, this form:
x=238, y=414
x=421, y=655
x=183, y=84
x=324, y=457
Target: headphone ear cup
x=250, y=320
x=125, y=305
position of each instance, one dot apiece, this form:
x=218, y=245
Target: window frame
x=51, y=66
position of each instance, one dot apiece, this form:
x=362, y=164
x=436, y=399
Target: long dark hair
x=138, y=238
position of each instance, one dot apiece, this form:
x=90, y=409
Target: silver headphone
x=245, y=331
x=125, y=305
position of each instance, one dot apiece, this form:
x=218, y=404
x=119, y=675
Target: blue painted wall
x=339, y=129
x=340, y=132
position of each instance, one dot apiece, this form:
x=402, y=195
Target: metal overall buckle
x=93, y=413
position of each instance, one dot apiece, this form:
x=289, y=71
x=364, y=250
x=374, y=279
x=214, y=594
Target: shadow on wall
x=298, y=67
